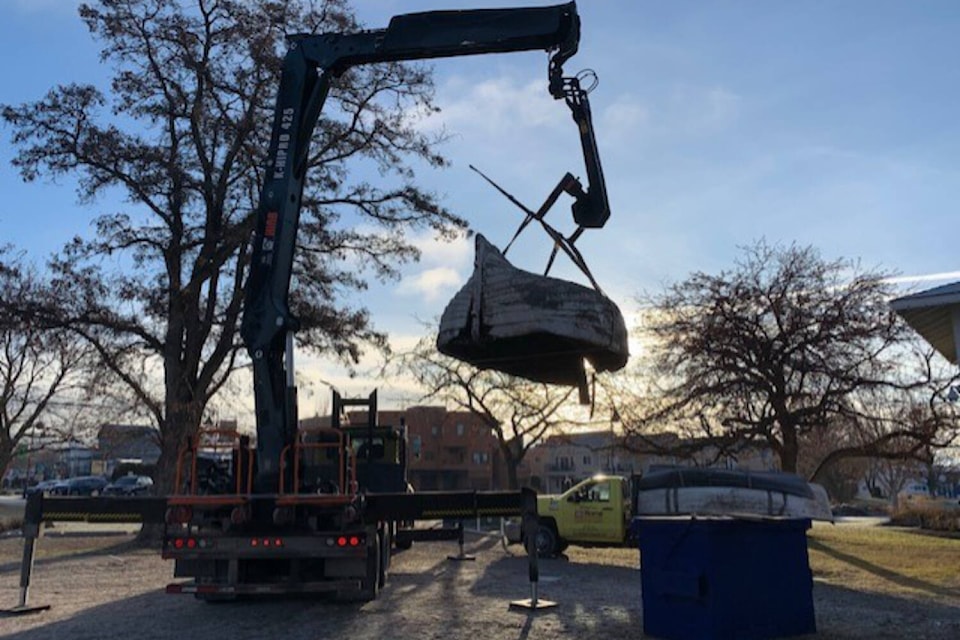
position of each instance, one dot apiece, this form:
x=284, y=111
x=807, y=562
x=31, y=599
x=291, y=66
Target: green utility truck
x=594, y=512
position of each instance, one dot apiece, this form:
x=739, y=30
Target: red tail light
x=354, y=541
x=178, y=543
x=191, y=543
x=266, y=542
x=341, y=541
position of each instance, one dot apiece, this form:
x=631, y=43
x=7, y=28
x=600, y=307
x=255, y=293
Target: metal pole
x=26, y=568
x=461, y=555
x=530, y=527
x=32, y=517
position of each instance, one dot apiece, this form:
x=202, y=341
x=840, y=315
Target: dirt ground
x=102, y=587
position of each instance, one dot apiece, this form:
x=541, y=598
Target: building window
x=481, y=457
x=563, y=463
x=459, y=428
x=434, y=430
x=586, y=461
x=416, y=445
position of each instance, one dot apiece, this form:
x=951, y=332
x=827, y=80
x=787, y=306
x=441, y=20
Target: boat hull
x=532, y=326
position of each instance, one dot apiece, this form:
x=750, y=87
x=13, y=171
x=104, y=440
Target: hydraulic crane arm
x=309, y=67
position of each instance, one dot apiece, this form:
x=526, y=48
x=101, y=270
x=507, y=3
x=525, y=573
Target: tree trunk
x=512, y=479
x=6, y=457
x=790, y=452
x=182, y=421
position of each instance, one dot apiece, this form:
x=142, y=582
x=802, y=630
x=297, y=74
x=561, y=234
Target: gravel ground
x=102, y=587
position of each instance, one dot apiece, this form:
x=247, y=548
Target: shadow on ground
x=127, y=544
x=431, y=597
x=887, y=574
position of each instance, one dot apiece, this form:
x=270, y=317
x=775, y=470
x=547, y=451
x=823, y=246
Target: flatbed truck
x=293, y=511
x=298, y=514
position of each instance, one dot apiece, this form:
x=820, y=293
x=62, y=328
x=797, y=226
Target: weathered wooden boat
x=724, y=492
x=528, y=325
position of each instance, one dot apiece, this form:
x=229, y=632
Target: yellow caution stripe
x=441, y=513
x=82, y=516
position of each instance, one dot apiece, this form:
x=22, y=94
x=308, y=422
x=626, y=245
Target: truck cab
x=594, y=512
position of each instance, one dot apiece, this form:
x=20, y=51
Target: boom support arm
x=310, y=65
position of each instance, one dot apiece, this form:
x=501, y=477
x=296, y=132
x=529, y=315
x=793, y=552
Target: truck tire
x=405, y=544
x=547, y=542
x=370, y=585
x=385, y=548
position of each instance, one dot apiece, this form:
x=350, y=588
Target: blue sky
x=826, y=123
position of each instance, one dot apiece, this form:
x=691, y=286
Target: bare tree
x=891, y=476
x=903, y=427
x=841, y=478
x=784, y=344
x=183, y=137
x=518, y=412
x=43, y=372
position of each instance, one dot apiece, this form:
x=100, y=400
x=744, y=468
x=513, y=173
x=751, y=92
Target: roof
x=935, y=315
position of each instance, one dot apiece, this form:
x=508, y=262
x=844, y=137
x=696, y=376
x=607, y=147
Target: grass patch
x=885, y=560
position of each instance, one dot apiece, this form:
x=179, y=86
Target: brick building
x=448, y=450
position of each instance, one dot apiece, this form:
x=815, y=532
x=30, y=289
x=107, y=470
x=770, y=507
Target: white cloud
x=456, y=253
x=684, y=110
x=316, y=375
x=431, y=284
x=625, y=115
x=496, y=106
x=927, y=277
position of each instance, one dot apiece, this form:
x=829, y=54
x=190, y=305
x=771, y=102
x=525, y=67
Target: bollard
x=530, y=526
x=32, y=517
x=460, y=556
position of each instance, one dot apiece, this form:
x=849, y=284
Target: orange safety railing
x=346, y=466
x=243, y=479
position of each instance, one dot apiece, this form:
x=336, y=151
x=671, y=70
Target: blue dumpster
x=725, y=578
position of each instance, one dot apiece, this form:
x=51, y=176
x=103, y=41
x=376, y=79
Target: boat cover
x=698, y=477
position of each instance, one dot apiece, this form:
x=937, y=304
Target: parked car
x=128, y=486
x=44, y=487
x=80, y=486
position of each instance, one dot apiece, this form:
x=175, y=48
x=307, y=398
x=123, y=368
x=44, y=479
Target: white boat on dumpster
x=725, y=492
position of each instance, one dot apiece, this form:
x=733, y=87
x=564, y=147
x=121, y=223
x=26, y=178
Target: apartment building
x=447, y=450
x=564, y=459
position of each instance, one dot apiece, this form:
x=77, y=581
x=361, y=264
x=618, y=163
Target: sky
x=822, y=123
